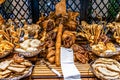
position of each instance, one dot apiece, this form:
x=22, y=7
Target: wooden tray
x=42, y=72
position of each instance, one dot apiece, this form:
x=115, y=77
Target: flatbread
x=26, y=63
x=107, y=72
x=17, y=65
x=5, y=64
x=113, y=68
x=5, y=72
x=15, y=69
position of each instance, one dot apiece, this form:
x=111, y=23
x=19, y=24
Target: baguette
x=58, y=45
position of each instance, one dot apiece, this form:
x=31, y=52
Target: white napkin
x=69, y=70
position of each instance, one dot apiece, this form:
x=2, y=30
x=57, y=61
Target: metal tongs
x=53, y=70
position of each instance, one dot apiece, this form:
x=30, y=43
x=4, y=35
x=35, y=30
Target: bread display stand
x=42, y=72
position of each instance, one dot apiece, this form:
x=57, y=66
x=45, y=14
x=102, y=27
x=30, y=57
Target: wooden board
x=41, y=71
x=63, y=79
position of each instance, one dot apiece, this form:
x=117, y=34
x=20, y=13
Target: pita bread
x=5, y=72
x=107, y=72
x=15, y=69
x=5, y=64
x=113, y=68
x=17, y=65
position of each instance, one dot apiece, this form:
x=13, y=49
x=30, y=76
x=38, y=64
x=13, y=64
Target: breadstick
x=58, y=45
x=5, y=35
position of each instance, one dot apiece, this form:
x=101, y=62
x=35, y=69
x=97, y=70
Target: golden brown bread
x=51, y=55
x=68, y=39
x=18, y=59
x=51, y=59
x=58, y=44
x=61, y=8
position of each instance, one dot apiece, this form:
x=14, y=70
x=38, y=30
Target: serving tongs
x=52, y=69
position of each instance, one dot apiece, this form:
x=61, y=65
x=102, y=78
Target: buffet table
x=41, y=72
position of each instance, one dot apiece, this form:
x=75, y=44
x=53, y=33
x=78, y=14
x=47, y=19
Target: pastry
x=17, y=59
x=19, y=50
x=111, y=46
x=51, y=59
x=25, y=44
x=35, y=43
x=68, y=39
x=31, y=49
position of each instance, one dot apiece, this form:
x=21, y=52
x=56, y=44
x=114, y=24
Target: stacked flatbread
x=106, y=69
x=12, y=68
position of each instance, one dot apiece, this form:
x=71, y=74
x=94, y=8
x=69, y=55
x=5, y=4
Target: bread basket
x=20, y=77
x=4, y=54
x=106, y=53
x=98, y=75
x=30, y=54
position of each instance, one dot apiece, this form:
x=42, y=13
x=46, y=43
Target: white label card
x=69, y=70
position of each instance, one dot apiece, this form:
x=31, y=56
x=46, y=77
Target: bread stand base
x=41, y=72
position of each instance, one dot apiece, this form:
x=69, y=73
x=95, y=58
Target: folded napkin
x=69, y=70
